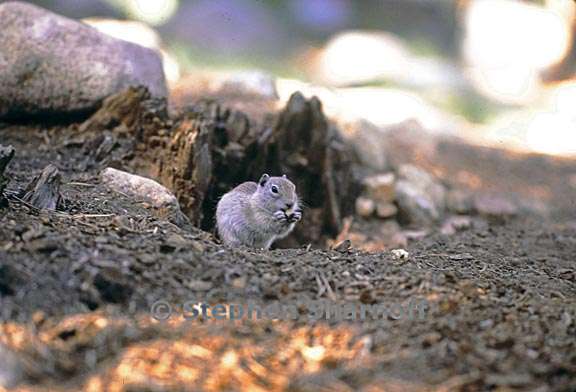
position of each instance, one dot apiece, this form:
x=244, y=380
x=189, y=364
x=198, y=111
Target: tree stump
x=212, y=149
x=208, y=149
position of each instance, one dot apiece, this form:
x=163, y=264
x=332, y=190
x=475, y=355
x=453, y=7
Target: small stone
x=431, y=338
x=421, y=199
x=343, y=246
x=381, y=187
x=199, y=285
x=400, y=254
x=239, y=283
x=455, y=224
x=140, y=188
x=144, y=190
x=177, y=241
x=365, y=207
x=426, y=182
x=416, y=206
x=386, y=210
x=492, y=205
x=147, y=259
x=414, y=235
x=461, y=222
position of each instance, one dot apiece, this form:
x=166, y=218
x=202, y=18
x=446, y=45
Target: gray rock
x=495, y=205
x=455, y=224
x=139, y=188
x=386, y=210
x=380, y=187
x=420, y=198
x=365, y=207
x=50, y=64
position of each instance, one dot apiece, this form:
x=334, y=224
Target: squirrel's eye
x=274, y=189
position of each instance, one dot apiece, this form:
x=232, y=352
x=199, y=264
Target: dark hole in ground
x=111, y=291
x=9, y=278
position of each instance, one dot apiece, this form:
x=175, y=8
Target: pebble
x=455, y=224
x=386, y=210
x=380, y=187
x=400, y=254
x=365, y=207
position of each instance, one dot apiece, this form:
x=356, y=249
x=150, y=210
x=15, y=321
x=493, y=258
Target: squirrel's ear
x=284, y=176
x=263, y=179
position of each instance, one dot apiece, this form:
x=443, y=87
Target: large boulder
x=50, y=64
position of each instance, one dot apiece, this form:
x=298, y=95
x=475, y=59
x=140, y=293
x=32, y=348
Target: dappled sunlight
x=507, y=43
x=128, y=30
x=510, y=85
x=546, y=127
x=194, y=354
x=361, y=56
x=382, y=107
x=154, y=12
x=552, y=133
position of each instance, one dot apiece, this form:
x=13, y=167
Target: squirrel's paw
x=296, y=216
x=280, y=216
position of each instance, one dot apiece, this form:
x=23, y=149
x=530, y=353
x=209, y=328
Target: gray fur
x=253, y=215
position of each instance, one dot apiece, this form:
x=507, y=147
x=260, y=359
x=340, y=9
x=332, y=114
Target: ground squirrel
x=257, y=214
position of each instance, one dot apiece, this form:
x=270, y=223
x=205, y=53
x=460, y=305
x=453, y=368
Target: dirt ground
x=79, y=287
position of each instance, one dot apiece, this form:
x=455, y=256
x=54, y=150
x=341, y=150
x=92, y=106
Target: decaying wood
x=211, y=149
x=131, y=109
x=208, y=149
x=6, y=155
x=44, y=190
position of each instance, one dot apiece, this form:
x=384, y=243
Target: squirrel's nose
x=289, y=205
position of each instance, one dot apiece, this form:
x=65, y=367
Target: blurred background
x=497, y=72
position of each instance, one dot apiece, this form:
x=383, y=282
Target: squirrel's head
x=277, y=194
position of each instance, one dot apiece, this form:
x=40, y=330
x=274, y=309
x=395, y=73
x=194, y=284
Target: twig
x=80, y=184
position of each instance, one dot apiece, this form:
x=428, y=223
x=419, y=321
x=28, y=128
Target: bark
x=44, y=190
x=6, y=155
